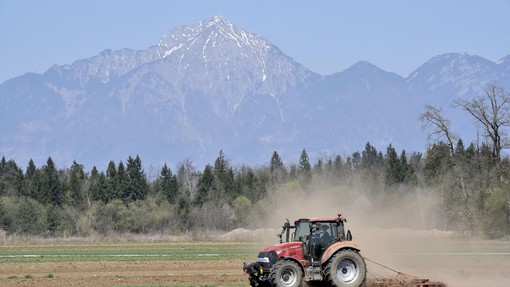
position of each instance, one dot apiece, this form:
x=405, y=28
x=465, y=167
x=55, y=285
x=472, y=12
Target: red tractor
x=320, y=250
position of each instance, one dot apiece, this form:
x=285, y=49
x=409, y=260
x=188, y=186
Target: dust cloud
x=400, y=233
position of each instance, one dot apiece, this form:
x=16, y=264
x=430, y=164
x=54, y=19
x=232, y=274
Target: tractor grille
x=267, y=259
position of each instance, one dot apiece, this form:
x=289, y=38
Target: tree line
x=472, y=183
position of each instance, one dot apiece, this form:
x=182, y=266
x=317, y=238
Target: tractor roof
x=322, y=219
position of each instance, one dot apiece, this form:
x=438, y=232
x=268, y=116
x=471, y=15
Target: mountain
x=452, y=75
x=212, y=86
x=445, y=78
x=358, y=105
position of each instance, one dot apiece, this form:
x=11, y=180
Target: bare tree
x=492, y=111
x=188, y=178
x=433, y=116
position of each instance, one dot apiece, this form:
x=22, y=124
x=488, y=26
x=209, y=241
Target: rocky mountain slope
x=213, y=86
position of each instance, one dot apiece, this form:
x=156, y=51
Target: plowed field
x=216, y=264
x=158, y=264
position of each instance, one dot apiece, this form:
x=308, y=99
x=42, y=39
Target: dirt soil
x=123, y=273
x=429, y=255
x=436, y=256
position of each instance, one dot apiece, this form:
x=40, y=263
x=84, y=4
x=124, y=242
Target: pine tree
x=220, y=165
x=304, y=168
x=230, y=186
x=75, y=184
x=246, y=181
x=356, y=161
x=2, y=168
x=224, y=178
x=183, y=211
x=372, y=164
x=99, y=186
x=111, y=191
x=51, y=187
x=415, y=172
x=2, y=165
x=138, y=181
x=205, y=186
x=167, y=184
x=392, y=166
x=30, y=175
x=338, y=166
x=369, y=158
x=318, y=168
x=405, y=172
x=438, y=161
x=11, y=179
x=459, y=149
x=123, y=184
x=32, y=183
x=277, y=169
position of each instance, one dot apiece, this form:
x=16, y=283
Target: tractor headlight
x=263, y=259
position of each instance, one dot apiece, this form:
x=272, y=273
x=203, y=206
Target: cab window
x=302, y=230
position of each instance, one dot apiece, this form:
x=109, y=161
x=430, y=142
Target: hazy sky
x=325, y=36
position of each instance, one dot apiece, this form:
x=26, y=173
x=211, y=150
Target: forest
x=471, y=183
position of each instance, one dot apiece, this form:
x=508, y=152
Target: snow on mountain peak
x=215, y=26
x=219, y=20
x=234, y=63
x=217, y=44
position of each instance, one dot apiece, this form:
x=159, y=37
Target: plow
x=397, y=278
x=320, y=250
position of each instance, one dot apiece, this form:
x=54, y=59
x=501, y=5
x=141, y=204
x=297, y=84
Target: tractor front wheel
x=346, y=269
x=286, y=274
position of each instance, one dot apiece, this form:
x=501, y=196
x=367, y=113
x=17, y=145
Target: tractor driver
x=325, y=236
x=322, y=235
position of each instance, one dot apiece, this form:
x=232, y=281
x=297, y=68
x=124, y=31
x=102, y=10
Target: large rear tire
x=286, y=274
x=346, y=269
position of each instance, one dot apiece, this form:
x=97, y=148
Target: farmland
x=213, y=263
x=125, y=264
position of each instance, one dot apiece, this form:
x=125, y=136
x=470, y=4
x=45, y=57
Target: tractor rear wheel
x=286, y=274
x=346, y=269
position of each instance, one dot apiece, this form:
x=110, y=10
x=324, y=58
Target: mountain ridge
x=212, y=86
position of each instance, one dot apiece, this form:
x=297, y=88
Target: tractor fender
x=337, y=247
